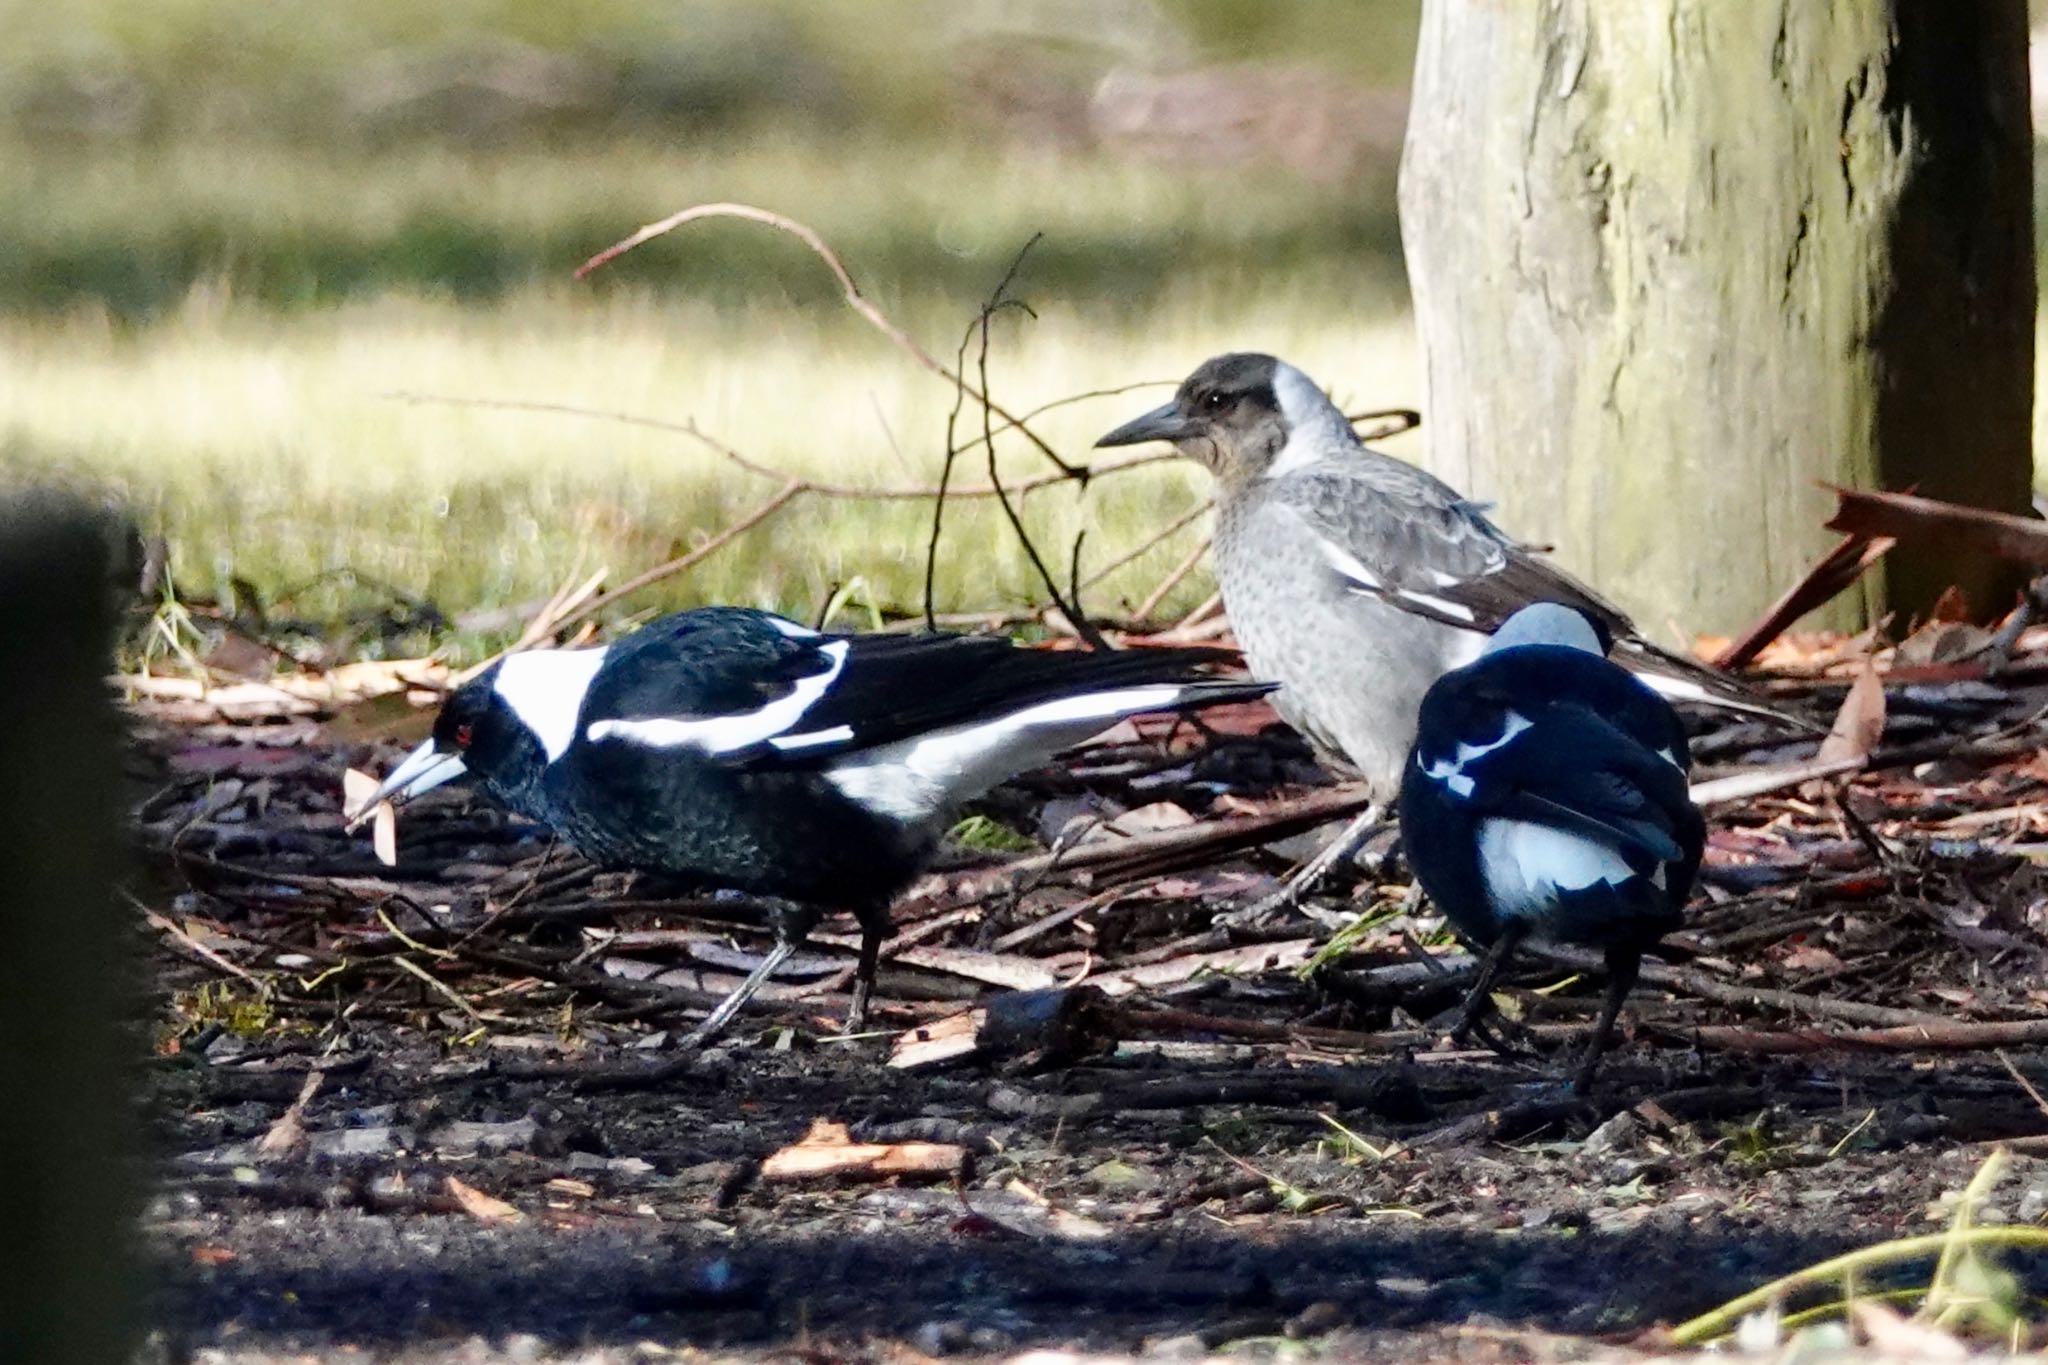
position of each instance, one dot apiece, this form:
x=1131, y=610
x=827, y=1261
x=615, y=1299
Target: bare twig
x=855, y=300
x=1115, y=464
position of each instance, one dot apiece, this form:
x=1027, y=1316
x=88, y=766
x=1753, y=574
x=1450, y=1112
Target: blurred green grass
x=234, y=233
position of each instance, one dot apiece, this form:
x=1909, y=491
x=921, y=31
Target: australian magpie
x=737, y=749
x=1545, y=798
x=1355, y=579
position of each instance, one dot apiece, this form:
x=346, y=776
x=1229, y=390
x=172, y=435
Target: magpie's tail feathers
x=1677, y=678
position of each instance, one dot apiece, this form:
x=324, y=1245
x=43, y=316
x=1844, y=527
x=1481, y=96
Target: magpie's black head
x=1236, y=413
x=478, y=734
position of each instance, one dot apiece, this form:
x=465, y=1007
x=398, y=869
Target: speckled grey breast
x=1352, y=669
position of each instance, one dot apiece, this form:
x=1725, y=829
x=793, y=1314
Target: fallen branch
x=1937, y=1036
x=1867, y=512
x=1831, y=575
x=1693, y=982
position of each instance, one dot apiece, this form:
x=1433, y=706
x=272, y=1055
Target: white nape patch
x=1316, y=429
x=1451, y=771
x=1442, y=605
x=812, y=740
x=1527, y=865
x=1671, y=758
x=545, y=689
x=917, y=780
x=724, y=734
x=1546, y=623
x=790, y=628
x=1347, y=565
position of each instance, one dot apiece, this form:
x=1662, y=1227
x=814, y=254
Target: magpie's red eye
x=463, y=735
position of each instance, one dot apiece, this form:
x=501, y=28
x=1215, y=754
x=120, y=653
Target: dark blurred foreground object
x=1546, y=799
x=1695, y=258
x=66, y=1204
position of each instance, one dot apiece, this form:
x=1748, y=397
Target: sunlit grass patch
x=277, y=446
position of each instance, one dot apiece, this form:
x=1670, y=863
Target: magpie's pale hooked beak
x=1163, y=423
x=424, y=769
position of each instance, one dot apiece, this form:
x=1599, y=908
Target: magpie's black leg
x=1622, y=966
x=792, y=923
x=874, y=927
x=1479, y=1000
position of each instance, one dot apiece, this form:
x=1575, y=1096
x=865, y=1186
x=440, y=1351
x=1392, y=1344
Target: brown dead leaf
x=1860, y=723
x=485, y=1208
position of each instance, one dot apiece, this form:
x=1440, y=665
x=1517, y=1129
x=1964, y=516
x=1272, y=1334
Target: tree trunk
x=1677, y=262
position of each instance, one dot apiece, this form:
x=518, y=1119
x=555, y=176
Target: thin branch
x=1153, y=542
x=1173, y=579
x=775, y=503
x=886, y=493
x=854, y=299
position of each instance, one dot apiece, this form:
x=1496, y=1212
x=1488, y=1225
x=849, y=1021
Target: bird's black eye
x=1215, y=400
x=464, y=733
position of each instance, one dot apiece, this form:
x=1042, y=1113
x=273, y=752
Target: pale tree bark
x=1677, y=261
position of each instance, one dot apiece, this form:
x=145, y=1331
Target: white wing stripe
x=915, y=780
x=1451, y=771
x=724, y=734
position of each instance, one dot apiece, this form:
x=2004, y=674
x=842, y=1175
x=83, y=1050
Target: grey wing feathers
x=1415, y=542
x=1404, y=536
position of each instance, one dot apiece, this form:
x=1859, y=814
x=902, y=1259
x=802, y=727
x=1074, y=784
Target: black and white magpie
x=1356, y=579
x=1546, y=798
x=734, y=748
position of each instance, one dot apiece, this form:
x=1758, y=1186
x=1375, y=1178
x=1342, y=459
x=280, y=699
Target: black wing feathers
x=898, y=686
x=1592, y=760
x=731, y=661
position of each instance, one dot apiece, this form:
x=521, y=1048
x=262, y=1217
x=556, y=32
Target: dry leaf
x=485, y=1208
x=356, y=787
x=1860, y=723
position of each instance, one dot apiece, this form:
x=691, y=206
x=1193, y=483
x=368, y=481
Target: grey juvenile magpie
x=1355, y=579
x=1546, y=798
x=738, y=749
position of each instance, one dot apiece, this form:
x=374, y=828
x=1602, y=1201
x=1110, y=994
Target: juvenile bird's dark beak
x=1164, y=423
x=424, y=769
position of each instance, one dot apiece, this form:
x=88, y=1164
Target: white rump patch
x=545, y=689
x=724, y=734
x=1527, y=865
x=917, y=780
x=1671, y=758
x=1451, y=771
x=1316, y=430
x=791, y=628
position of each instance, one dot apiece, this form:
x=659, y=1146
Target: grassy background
x=235, y=234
